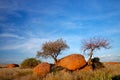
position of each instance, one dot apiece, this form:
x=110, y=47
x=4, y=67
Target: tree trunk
x=91, y=53
x=55, y=60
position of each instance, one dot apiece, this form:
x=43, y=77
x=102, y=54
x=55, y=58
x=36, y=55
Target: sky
x=26, y=24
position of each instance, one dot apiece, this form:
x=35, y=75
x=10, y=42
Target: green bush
x=96, y=64
x=30, y=63
x=117, y=77
x=96, y=59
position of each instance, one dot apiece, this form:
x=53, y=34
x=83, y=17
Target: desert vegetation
x=70, y=67
x=90, y=45
x=110, y=72
x=29, y=63
x=52, y=49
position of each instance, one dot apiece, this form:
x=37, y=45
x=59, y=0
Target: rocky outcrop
x=87, y=68
x=13, y=65
x=42, y=69
x=72, y=62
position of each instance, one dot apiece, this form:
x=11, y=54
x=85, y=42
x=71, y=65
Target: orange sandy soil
x=111, y=63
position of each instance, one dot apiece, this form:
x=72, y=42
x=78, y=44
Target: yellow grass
x=27, y=74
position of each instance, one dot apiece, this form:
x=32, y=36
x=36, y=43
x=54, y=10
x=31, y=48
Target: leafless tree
x=94, y=43
x=52, y=49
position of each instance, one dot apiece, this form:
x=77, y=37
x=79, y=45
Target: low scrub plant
x=29, y=63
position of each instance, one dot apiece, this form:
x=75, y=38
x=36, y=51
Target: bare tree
x=94, y=43
x=52, y=49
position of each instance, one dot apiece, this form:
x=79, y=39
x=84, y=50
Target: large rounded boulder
x=42, y=69
x=13, y=65
x=72, y=62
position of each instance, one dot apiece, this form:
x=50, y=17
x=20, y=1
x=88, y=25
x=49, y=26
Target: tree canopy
x=94, y=43
x=52, y=49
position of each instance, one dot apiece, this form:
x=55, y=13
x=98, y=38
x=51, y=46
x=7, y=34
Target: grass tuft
x=110, y=72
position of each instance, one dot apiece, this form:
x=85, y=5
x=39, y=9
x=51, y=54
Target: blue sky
x=26, y=24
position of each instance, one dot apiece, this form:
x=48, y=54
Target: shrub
x=117, y=77
x=55, y=68
x=96, y=64
x=96, y=59
x=30, y=63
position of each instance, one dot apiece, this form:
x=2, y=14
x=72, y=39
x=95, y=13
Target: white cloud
x=11, y=35
x=32, y=45
x=7, y=4
x=115, y=30
x=102, y=16
x=110, y=57
x=71, y=25
x=29, y=43
x=28, y=46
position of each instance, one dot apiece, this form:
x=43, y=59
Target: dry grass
x=101, y=74
x=13, y=73
x=27, y=74
x=3, y=65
